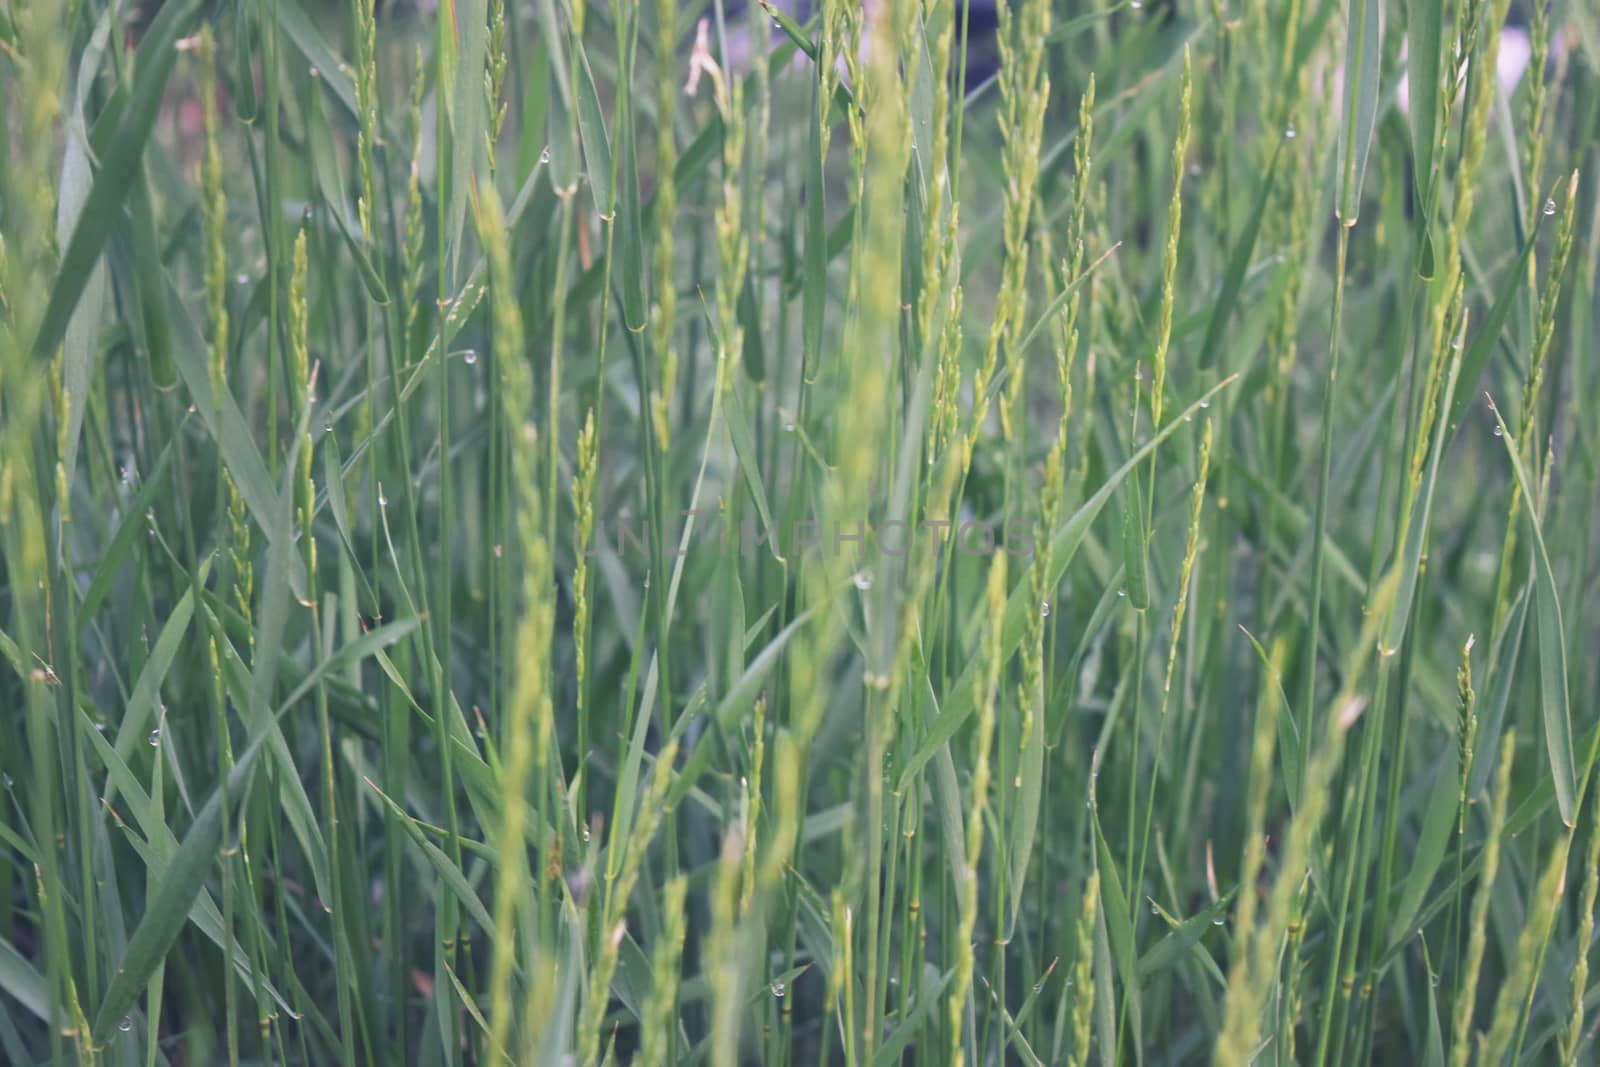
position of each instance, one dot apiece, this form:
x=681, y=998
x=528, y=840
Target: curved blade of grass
x=1291, y=741
x=929, y=995
x=630, y=241
x=1063, y=546
x=1062, y=297
x=739, y=699
x=1482, y=346
x=304, y=35
x=792, y=29
x=467, y=112
x=23, y=983
x=82, y=341
x=372, y=643
x=1438, y=824
x=628, y=781
x=1238, y=265
x=1119, y=923
x=1134, y=540
x=1074, y=26
x=1183, y=936
x=158, y=848
x=115, y=554
x=744, y=446
x=149, y=285
x=471, y=1008
x=1424, y=29
x=1504, y=655
x=1363, y=54
x=228, y=428
x=448, y=871
x=1105, y=987
x=167, y=910
x=1528, y=812
x=592, y=131
x=946, y=791
x=1433, y=1052
x=242, y=83
x=814, y=274
x=1025, y=815
x=330, y=184
x=148, y=685
x=755, y=352
x=119, y=165
x=1417, y=522
x=1552, y=646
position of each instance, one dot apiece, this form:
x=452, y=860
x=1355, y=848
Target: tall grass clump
x=932, y=532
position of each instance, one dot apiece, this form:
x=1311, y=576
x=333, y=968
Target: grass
x=528, y=538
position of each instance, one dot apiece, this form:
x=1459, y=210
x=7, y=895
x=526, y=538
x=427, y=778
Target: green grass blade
x=1362, y=59
x=1552, y=647
x=1425, y=856
x=119, y=165
x=1476, y=360
x=1063, y=546
x=167, y=911
x=22, y=983
x=1239, y=265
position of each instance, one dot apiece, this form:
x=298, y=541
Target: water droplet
x=155, y=738
x=779, y=989
x=1290, y=132
x=1044, y=610
x=863, y=580
x=10, y=781
x=1455, y=343
x=327, y=424
x=1218, y=921
x=100, y=727
x=1155, y=909
x=1135, y=4
x=1549, y=207
x=242, y=279
x=585, y=829
x=1433, y=979
x=788, y=427
x=383, y=501
x=127, y=475
x=125, y=1024
x=470, y=355
x=1497, y=431
x=1038, y=987
x=1122, y=592
x=1205, y=403
x=544, y=156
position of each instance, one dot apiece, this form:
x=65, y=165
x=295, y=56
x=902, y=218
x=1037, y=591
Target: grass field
x=626, y=532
